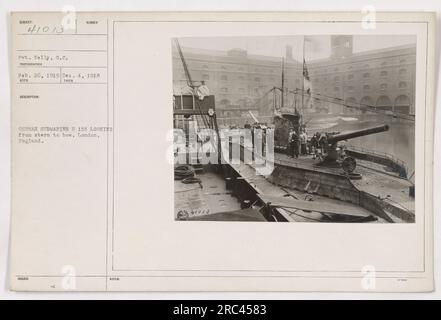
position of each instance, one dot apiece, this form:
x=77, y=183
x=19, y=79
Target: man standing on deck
x=303, y=141
x=289, y=147
x=294, y=144
x=315, y=144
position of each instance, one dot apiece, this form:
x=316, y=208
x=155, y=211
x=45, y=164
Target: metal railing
x=379, y=154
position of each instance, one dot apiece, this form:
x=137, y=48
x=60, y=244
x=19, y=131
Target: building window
x=351, y=102
x=350, y=76
x=242, y=90
x=402, y=104
x=383, y=86
x=350, y=88
x=383, y=73
x=402, y=72
x=366, y=87
x=402, y=61
x=224, y=90
x=402, y=85
x=223, y=67
x=241, y=78
x=240, y=69
x=366, y=75
x=366, y=66
x=336, y=69
x=257, y=70
x=224, y=77
x=366, y=102
x=384, y=103
x=383, y=64
x=205, y=77
x=336, y=88
x=337, y=78
x=205, y=66
x=257, y=79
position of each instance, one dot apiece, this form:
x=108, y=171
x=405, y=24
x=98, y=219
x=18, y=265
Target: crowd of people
x=299, y=144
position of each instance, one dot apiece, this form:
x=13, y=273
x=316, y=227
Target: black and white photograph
x=262, y=153
x=302, y=128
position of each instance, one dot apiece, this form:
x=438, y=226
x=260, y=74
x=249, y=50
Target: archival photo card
x=271, y=151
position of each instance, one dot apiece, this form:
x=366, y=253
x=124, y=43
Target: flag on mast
x=307, y=87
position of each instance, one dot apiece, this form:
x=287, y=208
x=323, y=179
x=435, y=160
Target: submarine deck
x=212, y=197
x=270, y=190
x=214, y=200
x=375, y=179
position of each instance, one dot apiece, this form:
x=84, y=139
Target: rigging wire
x=340, y=101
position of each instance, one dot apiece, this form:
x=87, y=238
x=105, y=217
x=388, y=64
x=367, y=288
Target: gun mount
x=332, y=154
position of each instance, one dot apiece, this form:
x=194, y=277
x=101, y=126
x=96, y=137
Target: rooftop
x=236, y=53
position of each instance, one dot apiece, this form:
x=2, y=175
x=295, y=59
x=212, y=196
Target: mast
x=274, y=99
x=184, y=64
x=283, y=83
x=303, y=76
x=295, y=101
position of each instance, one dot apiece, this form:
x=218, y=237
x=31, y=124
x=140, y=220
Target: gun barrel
x=357, y=133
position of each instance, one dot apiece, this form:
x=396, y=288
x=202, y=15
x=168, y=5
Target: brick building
x=384, y=79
